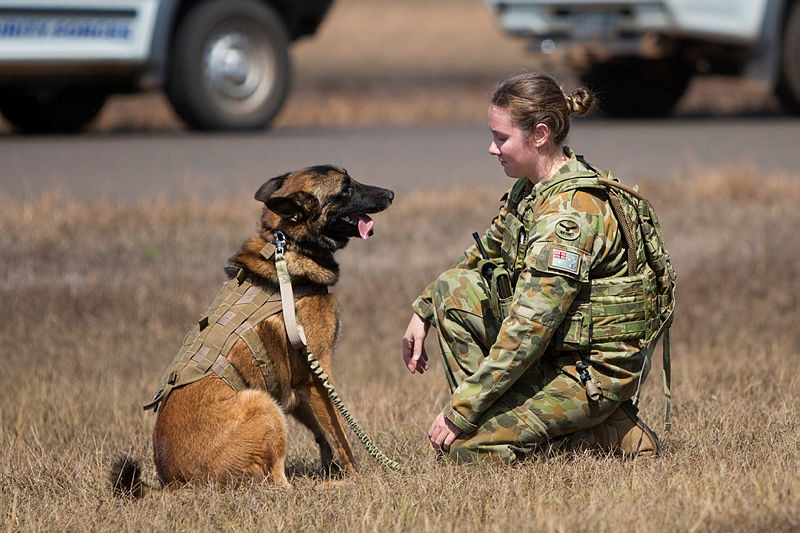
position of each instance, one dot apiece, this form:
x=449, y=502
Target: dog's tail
x=126, y=478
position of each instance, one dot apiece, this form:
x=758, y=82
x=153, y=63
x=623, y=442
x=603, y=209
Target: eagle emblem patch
x=567, y=229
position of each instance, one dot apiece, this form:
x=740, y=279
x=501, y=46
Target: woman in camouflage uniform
x=517, y=384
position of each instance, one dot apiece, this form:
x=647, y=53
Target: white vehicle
x=223, y=64
x=639, y=55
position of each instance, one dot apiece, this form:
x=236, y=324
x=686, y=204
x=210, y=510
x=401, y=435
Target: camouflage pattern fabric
x=237, y=308
x=513, y=379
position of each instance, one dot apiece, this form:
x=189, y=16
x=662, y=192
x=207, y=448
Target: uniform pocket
x=513, y=230
x=575, y=332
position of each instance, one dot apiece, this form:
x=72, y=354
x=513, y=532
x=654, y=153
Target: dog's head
x=320, y=206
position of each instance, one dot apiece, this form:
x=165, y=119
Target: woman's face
x=512, y=146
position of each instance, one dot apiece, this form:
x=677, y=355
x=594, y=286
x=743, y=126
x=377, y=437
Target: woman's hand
x=414, y=353
x=442, y=433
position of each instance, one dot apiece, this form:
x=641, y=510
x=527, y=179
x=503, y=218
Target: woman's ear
x=540, y=135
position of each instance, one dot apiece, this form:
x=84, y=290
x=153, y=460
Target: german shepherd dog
x=205, y=430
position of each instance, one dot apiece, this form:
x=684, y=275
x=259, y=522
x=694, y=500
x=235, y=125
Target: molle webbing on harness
x=610, y=310
x=643, y=301
x=237, y=309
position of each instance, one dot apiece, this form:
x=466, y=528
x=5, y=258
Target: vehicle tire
x=43, y=111
x=788, y=86
x=635, y=87
x=229, y=66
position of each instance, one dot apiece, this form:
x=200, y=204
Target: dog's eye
x=347, y=192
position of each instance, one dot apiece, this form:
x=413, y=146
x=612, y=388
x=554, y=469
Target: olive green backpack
x=646, y=250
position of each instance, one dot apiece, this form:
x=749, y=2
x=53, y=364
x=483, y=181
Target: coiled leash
x=297, y=338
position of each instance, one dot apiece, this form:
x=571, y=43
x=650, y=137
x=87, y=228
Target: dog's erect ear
x=297, y=206
x=270, y=186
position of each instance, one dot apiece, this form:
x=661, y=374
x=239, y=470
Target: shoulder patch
x=560, y=259
x=564, y=260
x=567, y=229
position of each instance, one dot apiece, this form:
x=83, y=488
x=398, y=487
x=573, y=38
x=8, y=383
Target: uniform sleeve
x=558, y=256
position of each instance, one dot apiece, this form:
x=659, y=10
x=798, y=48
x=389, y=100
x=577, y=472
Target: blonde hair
x=534, y=98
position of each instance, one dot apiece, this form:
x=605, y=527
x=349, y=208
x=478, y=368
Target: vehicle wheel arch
x=181, y=7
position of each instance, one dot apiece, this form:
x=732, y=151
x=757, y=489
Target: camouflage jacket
x=554, y=244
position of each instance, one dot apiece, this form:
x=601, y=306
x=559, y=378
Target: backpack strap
x=625, y=227
x=665, y=362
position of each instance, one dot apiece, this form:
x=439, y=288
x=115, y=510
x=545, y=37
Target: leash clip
x=280, y=242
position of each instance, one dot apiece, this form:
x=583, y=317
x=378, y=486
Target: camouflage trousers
x=546, y=407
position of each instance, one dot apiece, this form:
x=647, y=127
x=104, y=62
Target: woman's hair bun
x=579, y=101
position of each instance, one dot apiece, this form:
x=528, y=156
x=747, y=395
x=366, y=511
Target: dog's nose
x=387, y=195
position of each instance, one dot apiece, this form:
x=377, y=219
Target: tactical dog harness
x=240, y=305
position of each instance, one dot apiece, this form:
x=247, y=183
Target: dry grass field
x=97, y=297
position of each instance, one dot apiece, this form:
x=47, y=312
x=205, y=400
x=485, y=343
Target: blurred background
x=374, y=62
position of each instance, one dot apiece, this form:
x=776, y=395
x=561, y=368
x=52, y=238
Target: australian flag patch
x=564, y=260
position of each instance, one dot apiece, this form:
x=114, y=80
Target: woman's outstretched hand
x=414, y=354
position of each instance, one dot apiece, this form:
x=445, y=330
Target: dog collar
x=277, y=246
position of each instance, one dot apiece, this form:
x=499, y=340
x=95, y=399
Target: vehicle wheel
x=788, y=87
x=42, y=111
x=229, y=67
x=636, y=87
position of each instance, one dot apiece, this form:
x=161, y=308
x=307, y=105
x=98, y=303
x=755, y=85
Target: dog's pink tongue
x=365, y=224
